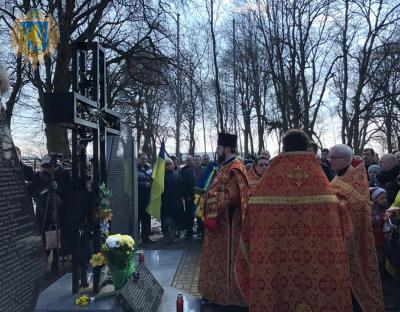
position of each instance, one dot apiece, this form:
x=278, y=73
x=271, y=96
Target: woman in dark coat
x=171, y=202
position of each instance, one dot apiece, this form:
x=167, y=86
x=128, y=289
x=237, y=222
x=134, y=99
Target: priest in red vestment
x=291, y=256
x=225, y=204
x=351, y=187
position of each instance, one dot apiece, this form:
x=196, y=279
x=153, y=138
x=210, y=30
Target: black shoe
x=189, y=235
x=147, y=240
x=54, y=268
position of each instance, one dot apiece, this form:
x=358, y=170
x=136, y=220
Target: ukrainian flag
x=157, y=187
x=204, y=184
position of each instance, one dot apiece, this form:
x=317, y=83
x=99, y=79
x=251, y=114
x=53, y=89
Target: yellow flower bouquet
x=98, y=260
x=83, y=300
x=119, y=252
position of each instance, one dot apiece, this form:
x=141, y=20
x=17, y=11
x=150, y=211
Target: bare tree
x=295, y=37
x=211, y=19
x=367, y=26
x=86, y=21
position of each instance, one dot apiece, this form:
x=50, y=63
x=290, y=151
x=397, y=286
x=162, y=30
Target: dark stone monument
x=121, y=181
x=22, y=260
x=142, y=293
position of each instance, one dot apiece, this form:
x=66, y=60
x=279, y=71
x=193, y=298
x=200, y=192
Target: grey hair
x=4, y=82
x=390, y=159
x=342, y=149
x=169, y=160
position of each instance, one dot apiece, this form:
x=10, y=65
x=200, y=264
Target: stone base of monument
x=163, y=264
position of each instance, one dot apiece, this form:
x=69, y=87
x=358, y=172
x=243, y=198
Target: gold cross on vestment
x=303, y=308
x=298, y=176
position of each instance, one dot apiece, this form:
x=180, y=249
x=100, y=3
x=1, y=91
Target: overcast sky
x=27, y=126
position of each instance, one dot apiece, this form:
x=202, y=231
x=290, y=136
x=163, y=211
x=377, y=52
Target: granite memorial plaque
x=22, y=259
x=141, y=294
x=120, y=166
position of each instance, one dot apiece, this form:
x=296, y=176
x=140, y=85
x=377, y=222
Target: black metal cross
x=85, y=111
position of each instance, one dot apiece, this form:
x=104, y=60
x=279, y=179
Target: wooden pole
x=178, y=91
x=234, y=75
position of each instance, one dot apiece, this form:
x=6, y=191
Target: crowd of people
x=178, y=200
x=178, y=208
x=303, y=231
x=276, y=231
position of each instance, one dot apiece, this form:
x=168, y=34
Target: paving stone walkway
x=187, y=275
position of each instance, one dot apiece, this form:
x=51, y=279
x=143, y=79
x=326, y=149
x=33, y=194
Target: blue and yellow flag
x=157, y=187
x=204, y=184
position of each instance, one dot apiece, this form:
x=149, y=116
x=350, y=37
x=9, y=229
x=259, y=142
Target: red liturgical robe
x=226, y=200
x=355, y=216
x=253, y=178
x=291, y=256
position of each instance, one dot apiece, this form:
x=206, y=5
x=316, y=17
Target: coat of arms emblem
x=34, y=36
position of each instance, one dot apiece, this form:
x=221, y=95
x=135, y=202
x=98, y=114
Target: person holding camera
x=47, y=188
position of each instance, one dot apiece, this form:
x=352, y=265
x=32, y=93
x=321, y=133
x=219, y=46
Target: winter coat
x=377, y=214
x=188, y=181
x=144, y=185
x=38, y=188
x=328, y=171
x=27, y=172
x=388, y=181
x=172, y=197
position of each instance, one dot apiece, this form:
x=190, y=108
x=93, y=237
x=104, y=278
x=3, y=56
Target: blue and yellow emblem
x=34, y=36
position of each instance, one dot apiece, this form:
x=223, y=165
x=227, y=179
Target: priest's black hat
x=226, y=139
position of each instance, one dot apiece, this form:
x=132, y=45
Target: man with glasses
x=351, y=187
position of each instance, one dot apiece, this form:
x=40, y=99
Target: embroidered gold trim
x=295, y=153
x=293, y=200
x=303, y=308
x=356, y=196
x=298, y=175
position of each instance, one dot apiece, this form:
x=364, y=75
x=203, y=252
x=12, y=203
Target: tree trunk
x=216, y=73
x=345, y=73
x=57, y=137
x=57, y=140
x=14, y=92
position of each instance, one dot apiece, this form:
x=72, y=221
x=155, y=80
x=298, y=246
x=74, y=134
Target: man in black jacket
x=369, y=157
x=313, y=147
x=189, y=183
x=387, y=179
x=144, y=188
